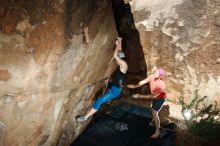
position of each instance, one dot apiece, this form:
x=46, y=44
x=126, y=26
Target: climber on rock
x=157, y=86
x=116, y=86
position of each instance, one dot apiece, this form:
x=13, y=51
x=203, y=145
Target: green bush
x=206, y=130
x=203, y=122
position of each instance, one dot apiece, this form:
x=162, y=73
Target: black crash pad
x=126, y=125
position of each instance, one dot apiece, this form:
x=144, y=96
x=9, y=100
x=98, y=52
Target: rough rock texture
x=2, y=134
x=182, y=36
x=50, y=50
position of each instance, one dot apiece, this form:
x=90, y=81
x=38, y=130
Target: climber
x=116, y=86
x=157, y=86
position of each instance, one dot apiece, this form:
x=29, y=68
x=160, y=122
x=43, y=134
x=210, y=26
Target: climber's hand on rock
x=119, y=39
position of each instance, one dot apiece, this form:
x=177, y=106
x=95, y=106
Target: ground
x=170, y=113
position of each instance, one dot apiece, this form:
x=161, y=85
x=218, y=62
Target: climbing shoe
x=81, y=119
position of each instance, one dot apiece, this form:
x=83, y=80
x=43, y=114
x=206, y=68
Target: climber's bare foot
x=156, y=134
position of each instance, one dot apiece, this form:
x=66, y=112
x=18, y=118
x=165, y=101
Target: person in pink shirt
x=157, y=87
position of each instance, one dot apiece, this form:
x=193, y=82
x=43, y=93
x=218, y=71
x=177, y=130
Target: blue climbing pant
x=113, y=93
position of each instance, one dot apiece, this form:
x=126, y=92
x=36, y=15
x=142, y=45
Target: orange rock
x=4, y=75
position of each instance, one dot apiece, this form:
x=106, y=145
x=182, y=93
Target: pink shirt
x=157, y=86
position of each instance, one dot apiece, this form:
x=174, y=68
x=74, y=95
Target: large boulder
x=50, y=51
x=183, y=37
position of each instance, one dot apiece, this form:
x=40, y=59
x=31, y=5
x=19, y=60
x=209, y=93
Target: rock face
x=50, y=51
x=183, y=37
